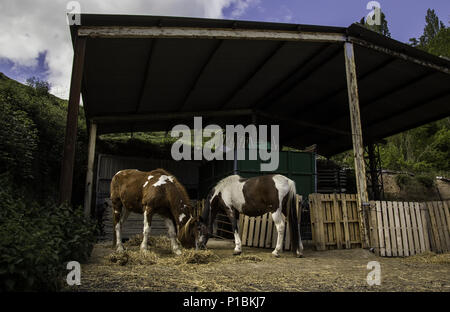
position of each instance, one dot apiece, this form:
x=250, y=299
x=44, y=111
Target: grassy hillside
x=38, y=235
x=32, y=127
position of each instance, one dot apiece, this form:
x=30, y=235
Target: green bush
x=37, y=241
x=403, y=180
x=425, y=180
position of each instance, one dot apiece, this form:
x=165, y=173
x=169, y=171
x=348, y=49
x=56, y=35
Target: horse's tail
x=296, y=243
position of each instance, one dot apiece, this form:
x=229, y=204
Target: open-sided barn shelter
x=330, y=86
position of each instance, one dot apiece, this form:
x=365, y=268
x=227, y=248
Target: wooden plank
x=429, y=226
x=345, y=221
x=426, y=230
x=319, y=220
x=442, y=226
x=409, y=230
x=328, y=227
x=206, y=33
x=415, y=228
x=337, y=220
x=257, y=231
x=269, y=231
x=442, y=210
x=245, y=230
x=380, y=229
x=90, y=170
x=251, y=230
x=351, y=229
x=446, y=206
x=392, y=229
x=419, y=228
x=68, y=160
x=434, y=228
x=357, y=138
x=312, y=217
x=241, y=225
x=359, y=234
x=374, y=228
x=446, y=217
x=262, y=235
x=439, y=226
x=398, y=233
x=401, y=207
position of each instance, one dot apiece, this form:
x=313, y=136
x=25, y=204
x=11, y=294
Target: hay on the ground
x=159, y=241
x=133, y=257
x=191, y=256
x=121, y=258
x=430, y=257
x=247, y=258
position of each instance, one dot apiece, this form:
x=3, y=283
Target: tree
x=433, y=26
x=440, y=44
x=383, y=28
x=42, y=87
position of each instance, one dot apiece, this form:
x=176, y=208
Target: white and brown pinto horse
x=148, y=193
x=253, y=197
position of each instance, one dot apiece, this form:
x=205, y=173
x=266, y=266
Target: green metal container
x=298, y=166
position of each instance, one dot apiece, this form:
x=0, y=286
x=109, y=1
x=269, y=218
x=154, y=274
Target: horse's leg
x=116, y=206
x=173, y=236
x=147, y=225
x=278, y=218
x=121, y=216
x=234, y=225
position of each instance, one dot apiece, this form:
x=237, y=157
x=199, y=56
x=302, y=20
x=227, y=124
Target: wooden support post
x=358, y=147
x=90, y=170
x=65, y=182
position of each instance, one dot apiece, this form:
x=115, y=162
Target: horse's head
x=189, y=233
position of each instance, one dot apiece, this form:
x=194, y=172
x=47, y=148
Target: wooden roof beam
x=206, y=33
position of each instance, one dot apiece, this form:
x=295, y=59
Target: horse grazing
x=148, y=193
x=253, y=197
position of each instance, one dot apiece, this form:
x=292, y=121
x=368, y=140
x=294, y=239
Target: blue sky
x=35, y=40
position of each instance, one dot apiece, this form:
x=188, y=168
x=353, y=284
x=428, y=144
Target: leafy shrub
x=403, y=180
x=425, y=180
x=41, y=87
x=37, y=241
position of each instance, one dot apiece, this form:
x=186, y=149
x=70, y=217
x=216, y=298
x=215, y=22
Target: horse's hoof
x=276, y=254
x=236, y=253
x=120, y=248
x=300, y=256
x=177, y=252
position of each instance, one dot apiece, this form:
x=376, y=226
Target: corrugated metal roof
x=300, y=85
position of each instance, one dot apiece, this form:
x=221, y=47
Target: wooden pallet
x=334, y=221
x=261, y=231
x=401, y=229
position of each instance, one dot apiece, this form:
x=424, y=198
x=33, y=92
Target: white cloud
x=241, y=6
x=29, y=27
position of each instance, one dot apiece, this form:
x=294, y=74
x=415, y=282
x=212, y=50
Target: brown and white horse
x=253, y=197
x=148, y=193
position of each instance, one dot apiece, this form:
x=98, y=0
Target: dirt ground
x=257, y=270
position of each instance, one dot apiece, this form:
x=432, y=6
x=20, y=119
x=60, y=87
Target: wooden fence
x=409, y=228
x=334, y=221
x=396, y=228
x=261, y=231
